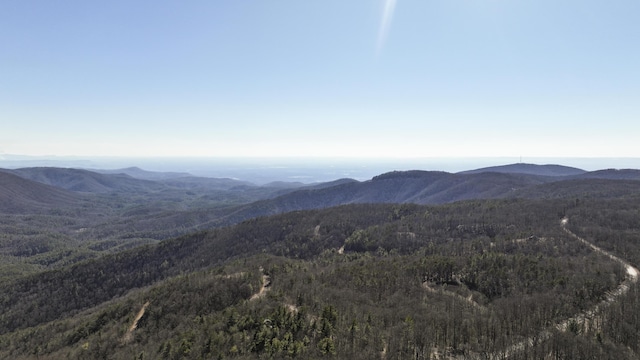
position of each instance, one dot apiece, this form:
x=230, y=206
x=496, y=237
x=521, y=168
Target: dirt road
x=579, y=319
x=129, y=335
x=266, y=281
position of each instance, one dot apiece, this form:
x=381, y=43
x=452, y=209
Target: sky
x=330, y=78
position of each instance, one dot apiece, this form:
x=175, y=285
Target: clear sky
x=352, y=78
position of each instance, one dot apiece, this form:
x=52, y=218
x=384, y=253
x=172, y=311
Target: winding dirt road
x=632, y=272
x=579, y=319
x=468, y=300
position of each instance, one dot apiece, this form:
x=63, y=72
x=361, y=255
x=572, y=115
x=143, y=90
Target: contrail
x=387, y=17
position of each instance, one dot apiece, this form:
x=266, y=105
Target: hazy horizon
x=301, y=169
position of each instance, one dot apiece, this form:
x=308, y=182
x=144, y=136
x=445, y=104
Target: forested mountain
x=421, y=187
x=86, y=181
x=134, y=211
x=613, y=174
x=138, y=173
x=580, y=188
x=530, y=169
x=130, y=180
x=363, y=272
x=466, y=280
x=18, y=195
x=424, y=187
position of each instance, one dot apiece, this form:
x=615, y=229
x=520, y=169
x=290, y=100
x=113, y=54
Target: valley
x=519, y=262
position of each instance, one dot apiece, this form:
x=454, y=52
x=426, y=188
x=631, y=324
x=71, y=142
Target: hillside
x=86, y=181
x=530, y=169
x=581, y=188
x=425, y=187
x=469, y=280
x=160, y=209
x=355, y=269
x=612, y=174
x=18, y=195
x=121, y=218
x=419, y=187
x=195, y=183
x=138, y=173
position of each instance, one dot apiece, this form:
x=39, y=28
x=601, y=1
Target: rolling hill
x=581, y=188
x=612, y=174
x=356, y=281
x=419, y=187
x=424, y=187
x=18, y=195
x=85, y=181
x=138, y=173
x=157, y=185
x=530, y=169
x=175, y=206
x=348, y=269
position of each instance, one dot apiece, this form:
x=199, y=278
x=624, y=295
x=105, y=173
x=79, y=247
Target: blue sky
x=448, y=78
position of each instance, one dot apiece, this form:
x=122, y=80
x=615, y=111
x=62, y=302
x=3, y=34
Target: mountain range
x=409, y=264
x=249, y=200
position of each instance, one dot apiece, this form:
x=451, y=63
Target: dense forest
x=534, y=265
x=477, y=279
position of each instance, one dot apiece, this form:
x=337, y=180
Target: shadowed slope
x=18, y=195
x=86, y=181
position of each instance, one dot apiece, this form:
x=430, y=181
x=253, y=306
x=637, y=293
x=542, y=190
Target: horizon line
x=520, y=159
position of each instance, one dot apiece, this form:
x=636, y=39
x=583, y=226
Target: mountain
x=612, y=174
x=530, y=169
x=115, y=275
x=361, y=280
x=207, y=184
x=428, y=187
x=473, y=280
x=137, y=181
x=136, y=172
x=330, y=184
x=86, y=181
x=581, y=188
x=176, y=206
x=417, y=187
x=18, y=195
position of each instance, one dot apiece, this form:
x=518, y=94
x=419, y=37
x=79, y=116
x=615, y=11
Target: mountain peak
x=530, y=169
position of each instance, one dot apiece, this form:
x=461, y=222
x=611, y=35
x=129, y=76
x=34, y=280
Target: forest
x=481, y=279
x=409, y=265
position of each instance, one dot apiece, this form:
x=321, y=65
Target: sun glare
x=385, y=23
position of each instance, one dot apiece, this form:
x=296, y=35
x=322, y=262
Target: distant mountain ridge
x=612, y=174
x=139, y=173
x=530, y=169
x=85, y=181
x=435, y=187
x=419, y=187
x=130, y=180
x=19, y=195
x=165, y=203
